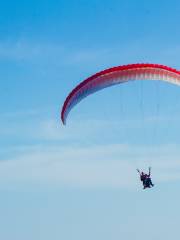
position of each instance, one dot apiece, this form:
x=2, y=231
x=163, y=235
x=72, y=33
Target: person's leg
x=150, y=182
x=146, y=183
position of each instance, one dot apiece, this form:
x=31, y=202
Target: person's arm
x=138, y=171
x=149, y=172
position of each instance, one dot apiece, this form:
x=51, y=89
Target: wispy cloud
x=60, y=54
x=61, y=158
x=32, y=124
x=29, y=51
x=105, y=166
x=39, y=52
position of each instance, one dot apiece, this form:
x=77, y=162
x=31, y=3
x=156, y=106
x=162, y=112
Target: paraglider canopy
x=117, y=75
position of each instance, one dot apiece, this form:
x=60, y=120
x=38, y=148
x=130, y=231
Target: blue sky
x=79, y=181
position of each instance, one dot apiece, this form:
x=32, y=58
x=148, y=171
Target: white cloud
x=29, y=125
x=104, y=56
x=70, y=162
x=30, y=51
x=107, y=166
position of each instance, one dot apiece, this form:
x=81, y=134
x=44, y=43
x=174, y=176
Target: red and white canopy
x=117, y=75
